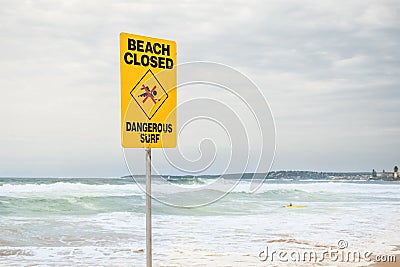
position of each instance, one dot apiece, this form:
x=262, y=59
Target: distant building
x=392, y=175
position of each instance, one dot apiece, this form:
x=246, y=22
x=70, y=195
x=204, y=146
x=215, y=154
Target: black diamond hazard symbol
x=149, y=94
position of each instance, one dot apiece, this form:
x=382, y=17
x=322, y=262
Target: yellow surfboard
x=294, y=207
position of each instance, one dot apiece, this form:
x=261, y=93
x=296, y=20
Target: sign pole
x=148, y=103
x=148, y=209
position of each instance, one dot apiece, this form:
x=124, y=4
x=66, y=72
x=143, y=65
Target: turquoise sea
x=101, y=221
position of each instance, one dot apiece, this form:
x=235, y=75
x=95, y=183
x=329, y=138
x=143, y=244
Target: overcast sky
x=330, y=71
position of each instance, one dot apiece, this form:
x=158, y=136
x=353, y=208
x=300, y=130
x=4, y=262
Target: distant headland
x=293, y=175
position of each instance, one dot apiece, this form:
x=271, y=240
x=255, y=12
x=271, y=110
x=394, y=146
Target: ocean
x=101, y=222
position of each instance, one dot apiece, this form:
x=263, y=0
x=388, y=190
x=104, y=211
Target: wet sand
x=388, y=264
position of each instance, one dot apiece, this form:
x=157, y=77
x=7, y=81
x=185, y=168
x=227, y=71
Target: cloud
x=325, y=67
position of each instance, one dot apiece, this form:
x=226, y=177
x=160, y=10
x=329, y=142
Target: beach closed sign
x=148, y=91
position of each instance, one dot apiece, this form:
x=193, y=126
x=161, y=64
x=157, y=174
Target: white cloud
x=320, y=63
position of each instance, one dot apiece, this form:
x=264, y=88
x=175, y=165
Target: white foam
x=62, y=189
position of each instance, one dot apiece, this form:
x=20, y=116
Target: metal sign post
x=148, y=209
x=148, y=102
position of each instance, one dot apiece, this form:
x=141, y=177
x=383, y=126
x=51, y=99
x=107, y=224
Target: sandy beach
x=395, y=263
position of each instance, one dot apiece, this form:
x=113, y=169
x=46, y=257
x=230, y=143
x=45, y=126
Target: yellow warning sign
x=148, y=91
